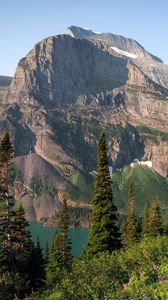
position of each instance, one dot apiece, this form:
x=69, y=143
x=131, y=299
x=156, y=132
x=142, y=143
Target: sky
x=23, y=23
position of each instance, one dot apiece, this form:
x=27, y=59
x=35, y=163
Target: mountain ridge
x=155, y=70
x=79, y=32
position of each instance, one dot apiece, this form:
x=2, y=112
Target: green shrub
x=125, y=273
x=139, y=271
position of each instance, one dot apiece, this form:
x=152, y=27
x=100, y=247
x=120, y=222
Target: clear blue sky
x=25, y=22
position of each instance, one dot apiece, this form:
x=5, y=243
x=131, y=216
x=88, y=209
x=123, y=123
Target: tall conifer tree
x=65, y=243
x=15, y=239
x=6, y=207
x=21, y=237
x=130, y=228
x=37, y=267
x=104, y=226
x=46, y=253
x=145, y=224
x=60, y=258
x=54, y=268
x=155, y=224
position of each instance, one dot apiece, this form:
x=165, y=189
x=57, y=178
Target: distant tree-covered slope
x=147, y=183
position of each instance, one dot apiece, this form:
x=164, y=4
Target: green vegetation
x=144, y=129
x=79, y=215
x=39, y=185
x=36, y=185
x=104, y=228
x=145, y=225
x=148, y=185
x=136, y=272
x=126, y=274
x=154, y=226
x=17, y=258
x=36, y=268
x=80, y=187
x=14, y=173
x=60, y=258
x=106, y=270
x=130, y=228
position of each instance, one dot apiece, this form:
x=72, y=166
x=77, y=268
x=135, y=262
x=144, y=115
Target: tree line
x=24, y=270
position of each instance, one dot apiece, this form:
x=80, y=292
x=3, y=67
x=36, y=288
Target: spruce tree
x=54, y=268
x=46, y=253
x=145, y=224
x=15, y=239
x=60, y=258
x=6, y=208
x=104, y=232
x=22, y=246
x=55, y=243
x=37, y=267
x=155, y=224
x=130, y=228
x=65, y=243
x=7, y=260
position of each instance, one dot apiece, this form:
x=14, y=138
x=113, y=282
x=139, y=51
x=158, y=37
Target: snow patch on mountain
x=96, y=32
x=143, y=163
x=124, y=53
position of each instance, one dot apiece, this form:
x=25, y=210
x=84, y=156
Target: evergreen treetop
x=130, y=228
x=46, y=253
x=104, y=229
x=16, y=247
x=145, y=224
x=65, y=243
x=6, y=149
x=155, y=224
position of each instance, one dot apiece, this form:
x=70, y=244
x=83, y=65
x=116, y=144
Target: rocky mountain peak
x=113, y=40
x=63, y=70
x=128, y=48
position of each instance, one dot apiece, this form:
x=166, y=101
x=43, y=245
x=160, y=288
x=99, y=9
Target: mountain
x=64, y=91
x=151, y=65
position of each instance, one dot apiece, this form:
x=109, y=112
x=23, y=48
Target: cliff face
x=61, y=69
x=113, y=40
x=4, y=84
x=63, y=92
x=151, y=65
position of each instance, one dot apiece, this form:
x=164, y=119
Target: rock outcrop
x=5, y=81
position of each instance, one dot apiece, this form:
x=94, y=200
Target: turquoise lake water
x=78, y=236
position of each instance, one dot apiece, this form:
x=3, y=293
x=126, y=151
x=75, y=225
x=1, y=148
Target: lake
x=78, y=236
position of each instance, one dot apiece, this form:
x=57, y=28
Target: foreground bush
x=137, y=272
x=48, y=295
